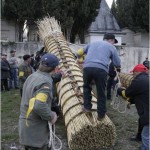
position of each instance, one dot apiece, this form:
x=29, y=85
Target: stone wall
x=9, y=30
x=139, y=39
x=130, y=56
x=21, y=48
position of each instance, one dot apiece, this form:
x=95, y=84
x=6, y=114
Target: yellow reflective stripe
x=80, y=52
x=123, y=94
x=21, y=74
x=30, y=108
x=40, y=97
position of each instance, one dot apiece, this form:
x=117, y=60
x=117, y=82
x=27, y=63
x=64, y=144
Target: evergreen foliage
x=133, y=14
x=21, y=11
x=75, y=16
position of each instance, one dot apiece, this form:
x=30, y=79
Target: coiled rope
x=53, y=137
x=118, y=101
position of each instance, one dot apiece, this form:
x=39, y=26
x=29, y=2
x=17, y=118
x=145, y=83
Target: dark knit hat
x=25, y=57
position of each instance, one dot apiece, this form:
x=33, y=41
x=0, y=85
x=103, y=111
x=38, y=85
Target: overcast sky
x=109, y=2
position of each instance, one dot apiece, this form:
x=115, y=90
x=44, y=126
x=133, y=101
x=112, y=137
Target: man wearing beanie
x=138, y=94
x=35, y=109
x=24, y=71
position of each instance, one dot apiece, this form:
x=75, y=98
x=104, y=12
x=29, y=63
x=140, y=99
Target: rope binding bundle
x=70, y=89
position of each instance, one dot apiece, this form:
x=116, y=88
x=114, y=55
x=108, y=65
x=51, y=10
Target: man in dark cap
x=95, y=68
x=111, y=38
x=35, y=110
x=24, y=71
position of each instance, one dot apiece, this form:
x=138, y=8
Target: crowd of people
x=38, y=76
x=13, y=74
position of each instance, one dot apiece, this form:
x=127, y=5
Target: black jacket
x=5, y=69
x=56, y=78
x=112, y=72
x=139, y=91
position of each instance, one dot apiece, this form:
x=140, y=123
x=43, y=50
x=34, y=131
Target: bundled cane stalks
x=84, y=131
x=125, y=79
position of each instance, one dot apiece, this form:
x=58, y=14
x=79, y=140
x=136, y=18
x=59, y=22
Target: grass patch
x=10, y=111
x=10, y=104
x=9, y=137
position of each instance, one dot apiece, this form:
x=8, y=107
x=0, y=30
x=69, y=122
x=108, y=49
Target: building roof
x=105, y=21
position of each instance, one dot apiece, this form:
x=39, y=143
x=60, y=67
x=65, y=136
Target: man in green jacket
x=24, y=71
x=35, y=109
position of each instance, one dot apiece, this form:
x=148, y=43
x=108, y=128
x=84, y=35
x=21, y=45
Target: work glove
x=119, y=91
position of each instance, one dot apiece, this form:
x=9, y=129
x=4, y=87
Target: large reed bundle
x=125, y=79
x=84, y=131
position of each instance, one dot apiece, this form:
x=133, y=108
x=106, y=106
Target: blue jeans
x=145, y=138
x=99, y=76
x=13, y=78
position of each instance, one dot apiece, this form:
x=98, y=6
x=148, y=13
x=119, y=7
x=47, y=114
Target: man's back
x=24, y=71
x=99, y=55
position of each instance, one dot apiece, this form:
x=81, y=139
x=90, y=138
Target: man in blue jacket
x=95, y=68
